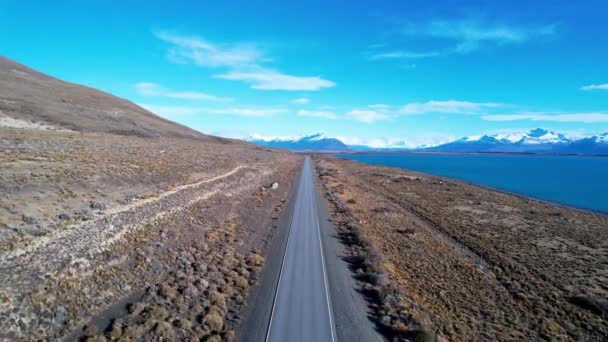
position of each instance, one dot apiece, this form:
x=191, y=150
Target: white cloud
x=244, y=62
x=575, y=117
x=153, y=89
x=380, y=106
x=429, y=139
x=317, y=114
x=595, y=87
x=267, y=79
x=301, y=100
x=366, y=115
x=448, y=107
x=403, y=55
x=381, y=111
x=253, y=112
x=470, y=34
x=175, y=111
x=204, y=53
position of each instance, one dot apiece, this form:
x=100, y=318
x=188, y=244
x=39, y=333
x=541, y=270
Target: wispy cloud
x=252, y=112
x=595, y=87
x=204, y=53
x=301, y=100
x=573, y=117
x=171, y=112
x=462, y=36
x=470, y=34
x=447, y=107
x=366, y=115
x=153, y=89
x=317, y=114
x=243, y=61
x=403, y=55
x=381, y=111
x=380, y=106
x=267, y=79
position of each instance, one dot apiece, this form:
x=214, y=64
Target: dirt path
x=77, y=229
x=77, y=254
x=77, y=244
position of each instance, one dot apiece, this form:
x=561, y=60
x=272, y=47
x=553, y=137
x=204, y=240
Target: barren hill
x=32, y=97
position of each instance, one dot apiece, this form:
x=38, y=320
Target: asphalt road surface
x=302, y=305
x=306, y=291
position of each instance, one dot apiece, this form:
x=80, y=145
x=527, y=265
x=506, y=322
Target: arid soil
x=114, y=237
x=117, y=224
x=470, y=263
x=32, y=99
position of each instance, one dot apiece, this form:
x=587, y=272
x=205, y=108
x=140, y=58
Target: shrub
x=214, y=321
x=255, y=259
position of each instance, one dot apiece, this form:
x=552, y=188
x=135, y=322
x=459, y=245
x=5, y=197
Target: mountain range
x=314, y=142
x=535, y=141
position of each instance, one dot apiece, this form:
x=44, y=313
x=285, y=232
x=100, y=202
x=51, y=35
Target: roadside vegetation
x=447, y=259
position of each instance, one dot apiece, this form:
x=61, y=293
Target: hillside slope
x=116, y=224
x=34, y=97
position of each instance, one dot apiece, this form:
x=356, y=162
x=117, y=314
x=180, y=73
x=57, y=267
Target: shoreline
x=531, y=154
x=487, y=187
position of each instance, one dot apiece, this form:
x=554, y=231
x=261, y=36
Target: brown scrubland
x=117, y=224
x=445, y=259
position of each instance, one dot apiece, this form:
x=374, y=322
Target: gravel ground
x=471, y=263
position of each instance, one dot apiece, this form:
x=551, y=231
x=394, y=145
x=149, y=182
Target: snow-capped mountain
x=321, y=142
x=534, y=141
x=535, y=136
x=592, y=145
x=314, y=142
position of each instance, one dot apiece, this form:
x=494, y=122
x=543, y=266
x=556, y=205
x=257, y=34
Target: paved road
x=302, y=305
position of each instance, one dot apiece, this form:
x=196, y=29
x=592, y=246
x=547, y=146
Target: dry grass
x=469, y=263
x=214, y=321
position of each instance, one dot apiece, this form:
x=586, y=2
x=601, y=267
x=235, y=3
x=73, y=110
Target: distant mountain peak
x=311, y=142
x=534, y=141
x=538, y=132
x=315, y=136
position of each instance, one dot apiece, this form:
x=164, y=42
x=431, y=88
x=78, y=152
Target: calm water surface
x=576, y=181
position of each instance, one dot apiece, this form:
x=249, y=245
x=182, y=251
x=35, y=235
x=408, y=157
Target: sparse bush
x=255, y=259
x=158, y=312
x=164, y=329
x=242, y=283
x=214, y=321
x=389, y=310
x=217, y=299
x=214, y=338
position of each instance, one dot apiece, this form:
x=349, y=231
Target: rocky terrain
x=116, y=224
x=443, y=259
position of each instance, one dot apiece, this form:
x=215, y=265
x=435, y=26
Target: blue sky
x=375, y=72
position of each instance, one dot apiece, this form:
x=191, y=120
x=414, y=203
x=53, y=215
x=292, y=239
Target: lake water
x=575, y=181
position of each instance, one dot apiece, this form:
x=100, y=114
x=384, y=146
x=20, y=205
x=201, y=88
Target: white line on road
x=325, y=283
x=276, y=294
x=331, y=321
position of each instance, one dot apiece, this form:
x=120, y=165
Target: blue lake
x=571, y=180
